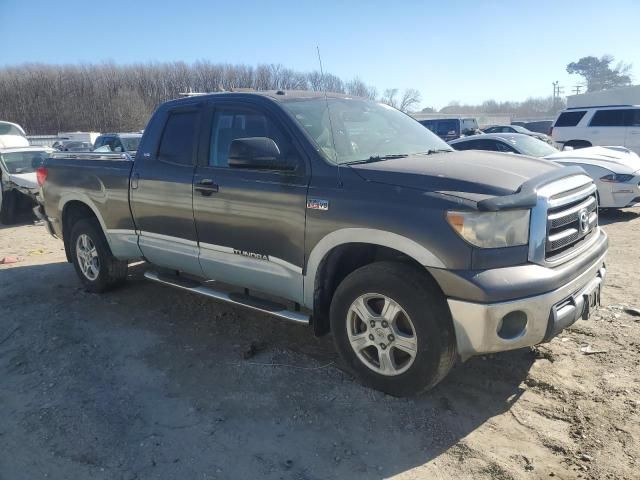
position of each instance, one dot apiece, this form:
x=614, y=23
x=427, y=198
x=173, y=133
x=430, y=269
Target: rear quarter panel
x=103, y=185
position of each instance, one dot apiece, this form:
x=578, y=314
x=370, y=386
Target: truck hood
x=617, y=159
x=478, y=174
x=25, y=180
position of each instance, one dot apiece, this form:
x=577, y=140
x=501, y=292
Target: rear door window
x=430, y=124
x=610, y=118
x=447, y=128
x=569, y=119
x=178, y=139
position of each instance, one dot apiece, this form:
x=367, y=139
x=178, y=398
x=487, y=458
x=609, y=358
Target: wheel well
x=340, y=262
x=71, y=213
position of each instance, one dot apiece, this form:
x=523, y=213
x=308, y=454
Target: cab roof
x=280, y=96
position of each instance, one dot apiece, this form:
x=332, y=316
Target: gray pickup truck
x=343, y=214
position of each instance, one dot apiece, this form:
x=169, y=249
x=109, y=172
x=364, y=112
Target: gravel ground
x=148, y=382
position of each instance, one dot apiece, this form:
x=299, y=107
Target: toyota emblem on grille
x=584, y=221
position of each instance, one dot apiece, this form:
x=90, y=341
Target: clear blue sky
x=450, y=50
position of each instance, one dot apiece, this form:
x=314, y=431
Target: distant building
x=614, y=96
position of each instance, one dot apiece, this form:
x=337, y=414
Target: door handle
x=134, y=181
x=206, y=187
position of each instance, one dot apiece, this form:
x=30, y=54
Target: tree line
x=530, y=108
x=46, y=99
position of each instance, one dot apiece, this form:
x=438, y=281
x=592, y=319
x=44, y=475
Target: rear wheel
x=97, y=268
x=393, y=329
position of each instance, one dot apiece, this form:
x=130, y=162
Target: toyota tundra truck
x=343, y=214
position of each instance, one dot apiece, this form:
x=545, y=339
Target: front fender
x=367, y=236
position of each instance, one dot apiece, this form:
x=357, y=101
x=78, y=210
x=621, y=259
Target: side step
x=241, y=299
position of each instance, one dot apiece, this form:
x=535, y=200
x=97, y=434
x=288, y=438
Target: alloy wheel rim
x=381, y=334
x=87, y=255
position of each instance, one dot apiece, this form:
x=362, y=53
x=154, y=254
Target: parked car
x=118, y=142
x=19, y=188
x=517, y=129
x=87, y=137
x=585, y=127
x=72, y=146
x=615, y=170
x=12, y=135
x=367, y=225
x=540, y=126
x=451, y=128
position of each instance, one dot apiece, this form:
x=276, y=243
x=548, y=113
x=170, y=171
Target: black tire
x=111, y=272
x=422, y=300
x=9, y=208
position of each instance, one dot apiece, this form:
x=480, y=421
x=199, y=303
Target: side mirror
x=259, y=153
x=568, y=148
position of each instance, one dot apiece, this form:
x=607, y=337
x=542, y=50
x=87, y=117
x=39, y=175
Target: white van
x=580, y=127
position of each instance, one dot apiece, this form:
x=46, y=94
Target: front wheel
x=97, y=268
x=393, y=329
x=8, y=207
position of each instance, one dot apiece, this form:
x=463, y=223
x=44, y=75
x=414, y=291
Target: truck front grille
x=570, y=225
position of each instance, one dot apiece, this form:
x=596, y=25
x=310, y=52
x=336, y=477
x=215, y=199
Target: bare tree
x=358, y=88
x=410, y=98
x=389, y=97
x=46, y=99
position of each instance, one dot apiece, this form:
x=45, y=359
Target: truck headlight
x=508, y=228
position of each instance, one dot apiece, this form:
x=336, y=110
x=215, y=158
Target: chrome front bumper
x=477, y=324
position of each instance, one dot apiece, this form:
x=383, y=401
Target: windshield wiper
x=378, y=158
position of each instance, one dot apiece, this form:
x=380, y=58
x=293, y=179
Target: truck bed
x=99, y=180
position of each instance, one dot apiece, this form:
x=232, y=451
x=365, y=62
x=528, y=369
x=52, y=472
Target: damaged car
x=19, y=189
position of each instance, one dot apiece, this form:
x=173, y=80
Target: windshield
x=23, y=162
x=8, y=129
x=532, y=146
x=362, y=129
x=130, y=143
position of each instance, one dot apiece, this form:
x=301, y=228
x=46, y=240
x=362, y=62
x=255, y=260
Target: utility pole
x=557, y=92
x=577, y=88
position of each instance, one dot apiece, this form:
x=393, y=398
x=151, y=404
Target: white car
x=615, y=170
x=590, y=126
x=19, y=187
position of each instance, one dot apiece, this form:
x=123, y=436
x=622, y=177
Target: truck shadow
x=608, y=216
x=225, y=388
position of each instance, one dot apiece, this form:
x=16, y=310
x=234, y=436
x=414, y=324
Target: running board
x=240, y=299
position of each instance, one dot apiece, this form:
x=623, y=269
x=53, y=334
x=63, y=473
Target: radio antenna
x=326, y=101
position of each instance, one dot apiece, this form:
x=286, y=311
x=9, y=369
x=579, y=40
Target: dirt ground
x=146, y=382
